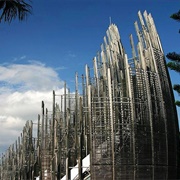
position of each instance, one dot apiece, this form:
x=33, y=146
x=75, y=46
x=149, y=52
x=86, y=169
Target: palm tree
x=174, y=58
x=10, y=9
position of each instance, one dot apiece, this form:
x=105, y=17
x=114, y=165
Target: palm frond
x=14, y=8
x=174, y=66
x=176, y=87
x=2, y=3
x=173, y=56
x=176, y=16
x=177, y=103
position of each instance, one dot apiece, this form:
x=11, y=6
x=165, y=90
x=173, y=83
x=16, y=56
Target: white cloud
x=25, y=105
x=30, y=76
x=23, y=88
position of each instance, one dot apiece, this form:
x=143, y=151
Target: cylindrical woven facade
x=119, y=124
x=133, y=118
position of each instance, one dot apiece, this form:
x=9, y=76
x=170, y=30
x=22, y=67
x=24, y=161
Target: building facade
x=121, y=117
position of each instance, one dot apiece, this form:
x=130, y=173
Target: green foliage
x=173, y=56
x=174, y=66
x=177, y=103
x=176, y=16
x=176, y=87
x=11, y=9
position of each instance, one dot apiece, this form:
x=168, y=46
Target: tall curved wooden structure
x=121, y=117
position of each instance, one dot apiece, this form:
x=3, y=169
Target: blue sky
x=58, y=39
